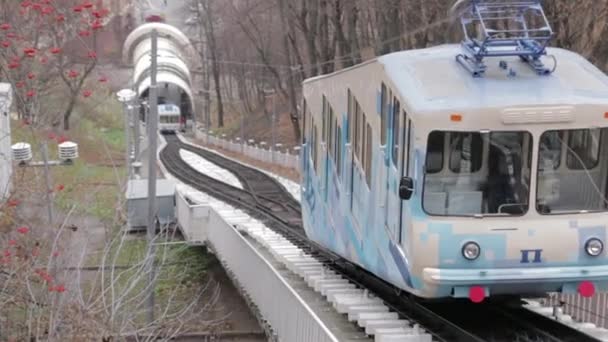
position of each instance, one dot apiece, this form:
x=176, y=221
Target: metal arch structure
x=175, y=52
x=142, y=33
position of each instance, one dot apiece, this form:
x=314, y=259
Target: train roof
x=168, y=108
x=431, y=80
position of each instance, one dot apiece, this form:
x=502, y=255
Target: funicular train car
x=169, y=118
x=449, y=174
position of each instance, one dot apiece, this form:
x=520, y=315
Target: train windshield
x=164, y=119
x=477, y=173
x=572, y=172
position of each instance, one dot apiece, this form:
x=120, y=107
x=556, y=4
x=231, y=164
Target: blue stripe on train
x=401, y=263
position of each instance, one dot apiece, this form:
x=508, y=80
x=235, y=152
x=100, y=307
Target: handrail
x=289, y=315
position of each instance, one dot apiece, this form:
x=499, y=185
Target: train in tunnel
x=174, y=79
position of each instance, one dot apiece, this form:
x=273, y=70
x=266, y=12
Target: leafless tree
x=45, y=45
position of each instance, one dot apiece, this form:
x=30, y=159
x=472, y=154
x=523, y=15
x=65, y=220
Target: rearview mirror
x=406, y=188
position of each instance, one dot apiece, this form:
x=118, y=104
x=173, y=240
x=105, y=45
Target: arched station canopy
x=143, y=32
x=165, y=78
x=173, y=73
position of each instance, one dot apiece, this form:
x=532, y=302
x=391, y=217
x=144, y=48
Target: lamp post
x=136, y=122
x=6, y=169
x=125, y=97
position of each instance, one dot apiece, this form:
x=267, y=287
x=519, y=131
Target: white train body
x=169, y=118
x=509, y=173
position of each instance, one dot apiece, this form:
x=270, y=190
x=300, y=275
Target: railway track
x=267, y=200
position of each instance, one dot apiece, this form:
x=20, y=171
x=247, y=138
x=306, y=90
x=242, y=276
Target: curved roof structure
x=165, y=77
x=164, y=31
x=174, y=52
x=165, y=47
x=165, y=63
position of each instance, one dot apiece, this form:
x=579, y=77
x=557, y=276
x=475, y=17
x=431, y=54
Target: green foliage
x=185, y=267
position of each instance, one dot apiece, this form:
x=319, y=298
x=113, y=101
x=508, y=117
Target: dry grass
x=91, y=183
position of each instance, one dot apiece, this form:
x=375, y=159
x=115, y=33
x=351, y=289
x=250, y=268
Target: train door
x=305, y=145
x=361, y=167
x=353, y=124
x=406, y=158
x=395, y=168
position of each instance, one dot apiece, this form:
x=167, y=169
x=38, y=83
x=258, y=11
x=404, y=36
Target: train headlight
x=594, y=247
x=471, y=251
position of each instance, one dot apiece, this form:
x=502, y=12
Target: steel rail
x=451, y=320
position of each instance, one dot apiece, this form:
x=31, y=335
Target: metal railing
x=287, y=313
x=190, y=218
x=590, y=310
x=253, y=150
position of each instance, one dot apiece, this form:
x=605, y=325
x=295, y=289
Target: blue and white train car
x=448, y=185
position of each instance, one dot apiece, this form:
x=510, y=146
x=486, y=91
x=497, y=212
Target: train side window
x=368, y=155
x=396, y=130
x=330, y=131
x=336, y=140
x=312, y=140
x=583, y=149
x=324, y=120
x=339, y=152
x=363, y=123
x=405, y=142
x=315, y=144
x=383, y=115
x=434, y=157
x=332, y=117
x=356, y=131
x=304, y=119
x=349, y=132
x=408, y=142
x=466, y=152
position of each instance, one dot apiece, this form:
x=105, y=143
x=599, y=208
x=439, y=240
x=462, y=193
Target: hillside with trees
x=251, y=46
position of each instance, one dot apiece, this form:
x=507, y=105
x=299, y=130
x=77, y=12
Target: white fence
x=589, y=310
x=290, y=317
x=278, y=157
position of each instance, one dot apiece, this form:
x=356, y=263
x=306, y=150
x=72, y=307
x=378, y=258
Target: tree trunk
x=295, y=117
x=68, y=112
x=210, y=33
x=352, y=17
x=344, y=46
x=309, y=25
x=324, y=35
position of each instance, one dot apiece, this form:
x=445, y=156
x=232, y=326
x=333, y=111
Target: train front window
x=477, y=173
x=571, y=171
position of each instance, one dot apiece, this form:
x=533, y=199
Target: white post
x=49, y=187
x=137, y=140
x=127, y=139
